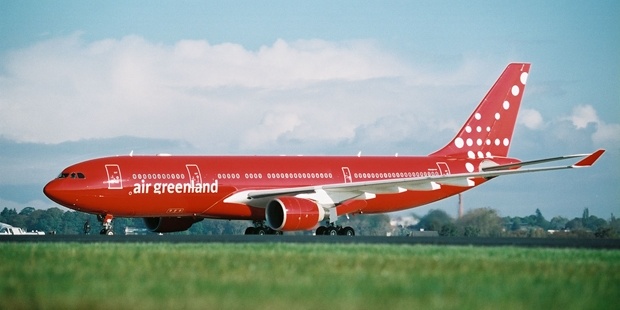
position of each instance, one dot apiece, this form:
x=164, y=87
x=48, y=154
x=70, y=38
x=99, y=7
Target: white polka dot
x=478, y=116
x=471, y=154
x=470, y=142
x=497, y=142
x=523, y=78
x=478, y=129
x=497, y=116
x=458, y=142
x=506, y=105
x=506, y=141
x=488, y=142
x=468, y=129
x=488, y=128
x=489, y=155
x=469, y=167
x=480, y=154
x=515, y=90
x=479, y=142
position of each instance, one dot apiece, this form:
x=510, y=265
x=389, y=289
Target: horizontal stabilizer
x=590, y=159
x=586, y=162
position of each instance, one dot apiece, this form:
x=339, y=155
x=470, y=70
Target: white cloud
x=224, y=98
x=604, y=134
x=66, y=89
x=584, y=115
x=530, y=118
x=607, y=134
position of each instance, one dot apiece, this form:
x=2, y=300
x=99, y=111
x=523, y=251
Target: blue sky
x=320, y=77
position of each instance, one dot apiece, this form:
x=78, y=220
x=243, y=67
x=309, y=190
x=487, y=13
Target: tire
x=321, y=230
x=250, y=231
x=331, y=231
x=348, y=231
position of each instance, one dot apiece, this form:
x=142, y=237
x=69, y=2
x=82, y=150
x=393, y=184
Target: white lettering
x=214, y=186
x=157, y=188
x=160, y=188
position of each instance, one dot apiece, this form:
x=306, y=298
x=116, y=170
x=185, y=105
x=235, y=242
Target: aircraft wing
x=333, y=194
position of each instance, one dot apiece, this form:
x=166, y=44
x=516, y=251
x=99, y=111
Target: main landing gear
x=106, y=222
x=332, y=230
x=261, y=229
x=329, y=230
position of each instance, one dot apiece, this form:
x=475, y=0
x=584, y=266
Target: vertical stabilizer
x=488, y=131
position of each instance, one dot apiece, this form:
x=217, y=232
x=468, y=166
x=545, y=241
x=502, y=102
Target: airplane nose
x=54, y=191
x=50, y=190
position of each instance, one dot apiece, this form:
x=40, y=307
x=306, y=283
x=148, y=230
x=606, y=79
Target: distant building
x=136, y=231
x=404, y=221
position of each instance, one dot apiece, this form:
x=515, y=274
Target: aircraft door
x=347, y=175
x=194, y=173
x=443, y=168
x=115, y=181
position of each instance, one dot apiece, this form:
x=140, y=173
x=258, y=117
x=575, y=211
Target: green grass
x=293, y=276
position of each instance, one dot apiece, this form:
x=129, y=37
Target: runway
x=442, y=241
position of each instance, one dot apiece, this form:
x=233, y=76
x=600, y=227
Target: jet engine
x=292, y=213
x=170, y=224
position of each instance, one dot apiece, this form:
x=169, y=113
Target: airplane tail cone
x=488, y=131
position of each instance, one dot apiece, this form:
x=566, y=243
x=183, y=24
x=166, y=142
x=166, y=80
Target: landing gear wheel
x=321, y=230
x=274, y=232
x=331, y=231
x=250, y=231
x=105, y=231
x=260, y=228
x=347, y=231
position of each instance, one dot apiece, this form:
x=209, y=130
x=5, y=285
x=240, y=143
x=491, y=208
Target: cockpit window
x=72, y=175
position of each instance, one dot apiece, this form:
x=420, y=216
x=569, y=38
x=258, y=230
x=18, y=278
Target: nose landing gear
x=106, y=222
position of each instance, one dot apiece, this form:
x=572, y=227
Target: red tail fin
x=488, y=131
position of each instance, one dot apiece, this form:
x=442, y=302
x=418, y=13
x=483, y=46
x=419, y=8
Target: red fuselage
x=196, y=186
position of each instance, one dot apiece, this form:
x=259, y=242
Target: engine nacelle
x=170, y=224
x=292, y=213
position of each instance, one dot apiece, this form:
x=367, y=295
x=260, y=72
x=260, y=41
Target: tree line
x=56, y=221
x=484, y=222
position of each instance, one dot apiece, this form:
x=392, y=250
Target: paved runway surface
x=521, y=242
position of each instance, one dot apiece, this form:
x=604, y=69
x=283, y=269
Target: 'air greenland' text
x=175, y=188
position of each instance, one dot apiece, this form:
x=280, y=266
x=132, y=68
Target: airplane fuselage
x=181, y=186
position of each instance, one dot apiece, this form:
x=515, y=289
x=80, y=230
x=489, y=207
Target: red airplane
x=289, y=193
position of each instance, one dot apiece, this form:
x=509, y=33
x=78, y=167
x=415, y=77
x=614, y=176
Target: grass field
x=294, y=276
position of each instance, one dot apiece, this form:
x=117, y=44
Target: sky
x=85, y=79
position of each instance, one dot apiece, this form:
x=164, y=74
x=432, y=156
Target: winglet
x=590, y=159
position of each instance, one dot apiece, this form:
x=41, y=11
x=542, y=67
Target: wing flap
x=462, y=182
